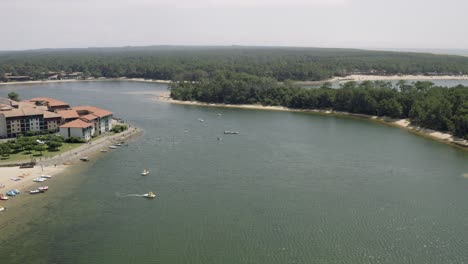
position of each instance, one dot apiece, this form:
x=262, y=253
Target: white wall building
x=77, y=128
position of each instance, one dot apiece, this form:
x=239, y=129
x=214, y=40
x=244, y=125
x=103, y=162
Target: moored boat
x=16, y=191
x=3, y=197
x=145, y=172
x=149, y=195
x=34, y=191
x=112, y=147
x=11, y=193
x=84, y=159
x=39, y=179
x=103, y=150
x=2, y=208
x=43, y=188
x=45, y=176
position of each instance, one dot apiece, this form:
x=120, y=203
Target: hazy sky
x=28, y=24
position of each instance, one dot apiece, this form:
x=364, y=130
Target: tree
x=13, y=96
x=4, y=150
x=39, y=148
x=53, y=145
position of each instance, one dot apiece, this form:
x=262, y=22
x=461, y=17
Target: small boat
x=231, y=132
x=145, y=172
x=3, y=197
x=118, y=144
x=16, y=191
x=103, y=150
x=43, y=188
x=149, y=195
x=201, y=120
x=234, y=132
x=45, y=176
x=34, y=191
x=84, y=159
x=39, y=179
x=2, y=208
x=227, y=132
x=11, y=193
x=219, y=114
x=112, y=147
x=15, y=179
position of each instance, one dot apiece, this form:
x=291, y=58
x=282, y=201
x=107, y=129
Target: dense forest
x=196, y=63
x=439, y=108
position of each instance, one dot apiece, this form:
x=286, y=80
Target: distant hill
x=197, y=62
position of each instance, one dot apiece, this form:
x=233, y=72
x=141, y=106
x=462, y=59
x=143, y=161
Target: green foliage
x=119, y=128
x=439, y=108
x=75, y=140
x=198, y=63
x=53, y=145
x=13, y=96
x=5, y=150
x=40, y=148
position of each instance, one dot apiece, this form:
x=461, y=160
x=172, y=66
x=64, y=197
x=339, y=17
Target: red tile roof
x=89, y=117
x=51, y=102
x=78, y=123
x=93, y=110
x=21, y=112
x=48, y=114
x=68, y=114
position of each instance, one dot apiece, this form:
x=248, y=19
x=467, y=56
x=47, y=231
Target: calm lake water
x=290, y=188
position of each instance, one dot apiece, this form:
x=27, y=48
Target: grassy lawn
x=24, y=155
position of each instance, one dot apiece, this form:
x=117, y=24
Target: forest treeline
x=439, y=108
x=196, y=63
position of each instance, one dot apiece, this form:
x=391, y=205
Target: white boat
x=201, y=120
x=34, y=191
x=149, y=195
x=2, y=208
x=45, y=176
x=118, y=144
x=103, y=150
x=43, y=188
x=145, y=172
x=112, y=147
x=84, y=159
x=39, y=179
x=3, y=197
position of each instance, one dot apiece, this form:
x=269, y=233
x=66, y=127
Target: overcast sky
x=30, y=24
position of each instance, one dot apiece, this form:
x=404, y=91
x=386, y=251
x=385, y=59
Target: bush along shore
x=422, y=104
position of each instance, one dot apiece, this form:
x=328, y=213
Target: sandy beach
x=361, y=77
x=57, y=164
x=26, y=176
x=401, y=123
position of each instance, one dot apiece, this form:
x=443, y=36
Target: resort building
x=44, y=114
x=68, y=115
x=77, y=128
x=16, y=122
x=102, y=122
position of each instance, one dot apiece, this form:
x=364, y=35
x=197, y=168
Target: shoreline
x=90, y=80
x=400, y=123
x=363, y=77
x=349, y=78
x=57, y=165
